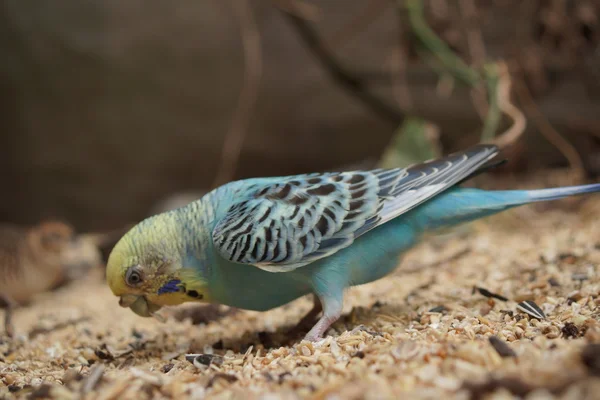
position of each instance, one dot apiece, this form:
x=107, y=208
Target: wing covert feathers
x=299, y=219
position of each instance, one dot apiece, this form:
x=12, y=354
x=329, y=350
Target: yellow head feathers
x=120, y=259
x=146, y=269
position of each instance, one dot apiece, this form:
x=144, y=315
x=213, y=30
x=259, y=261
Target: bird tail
x=460, y=205
x=560, y=192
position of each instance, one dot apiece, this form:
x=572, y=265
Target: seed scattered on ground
x=579, y=277
x=383, y=347
x=570, y=330
x=438, y=309
x=501, y=347
x=204, y=359
x=487, y=293
x=553, y=282
x=166, y=368
x=568, y=258
x=529, y=307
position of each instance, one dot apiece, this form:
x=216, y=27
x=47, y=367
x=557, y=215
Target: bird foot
x=312, y=337
x=308, y=321
x=317, y=331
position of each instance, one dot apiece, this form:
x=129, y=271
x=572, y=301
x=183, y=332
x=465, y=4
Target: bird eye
x=133, y=277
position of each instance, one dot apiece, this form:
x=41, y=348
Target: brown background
x=109, y=105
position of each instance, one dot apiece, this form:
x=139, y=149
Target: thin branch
x=357, y=23
x=492, y=117
x=398, y=66
x=234, y=138
x=546, y=129
x=300, y=9
x=512, y=134
x=398, y=74
x=475, y=44
x=478, y=98
x=341, y=75
x=477, y=53
x=437, y=48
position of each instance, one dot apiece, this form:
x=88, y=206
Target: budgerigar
x=257, y=244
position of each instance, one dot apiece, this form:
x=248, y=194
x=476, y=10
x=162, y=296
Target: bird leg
x=332, y=310
x=309, y=319
x=9, y=307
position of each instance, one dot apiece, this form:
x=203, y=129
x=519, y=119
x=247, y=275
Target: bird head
x=145, y=268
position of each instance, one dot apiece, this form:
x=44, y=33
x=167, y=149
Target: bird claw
x=313, y=338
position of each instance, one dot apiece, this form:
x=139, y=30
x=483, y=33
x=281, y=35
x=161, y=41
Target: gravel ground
x=446, y=324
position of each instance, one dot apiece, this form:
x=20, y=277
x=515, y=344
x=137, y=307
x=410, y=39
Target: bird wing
x=280, y=226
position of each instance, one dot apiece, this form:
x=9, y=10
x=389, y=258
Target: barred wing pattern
x=299, y=219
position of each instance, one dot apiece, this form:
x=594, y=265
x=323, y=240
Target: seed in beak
x=127, y=300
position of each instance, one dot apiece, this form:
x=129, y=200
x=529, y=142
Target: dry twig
x=398, y=63
x=357, y=23
x=512, y=134
x=300, y=9
x=436, y=47
x=546, y=129
x=234, y=138
x=476, y=47
x=341, y=75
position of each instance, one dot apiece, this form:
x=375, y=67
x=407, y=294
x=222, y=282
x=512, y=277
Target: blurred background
x=109, y=107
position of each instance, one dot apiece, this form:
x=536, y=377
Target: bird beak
x=139, y=305
x=127, y=300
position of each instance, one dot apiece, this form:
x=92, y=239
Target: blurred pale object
x=36, y=259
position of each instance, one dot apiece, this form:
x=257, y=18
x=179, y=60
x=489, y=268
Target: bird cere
x=257, y=244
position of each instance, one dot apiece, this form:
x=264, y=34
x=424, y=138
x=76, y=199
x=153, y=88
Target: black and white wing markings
x=299, y=219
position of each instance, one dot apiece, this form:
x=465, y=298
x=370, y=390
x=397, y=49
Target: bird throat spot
x=172, y=286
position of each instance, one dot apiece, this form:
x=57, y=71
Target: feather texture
x=325, y=222
x=289, y=222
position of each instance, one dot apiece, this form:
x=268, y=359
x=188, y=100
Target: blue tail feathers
x=460, y=205
x=560, y=192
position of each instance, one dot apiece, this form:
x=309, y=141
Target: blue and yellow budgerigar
x=257, y=244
